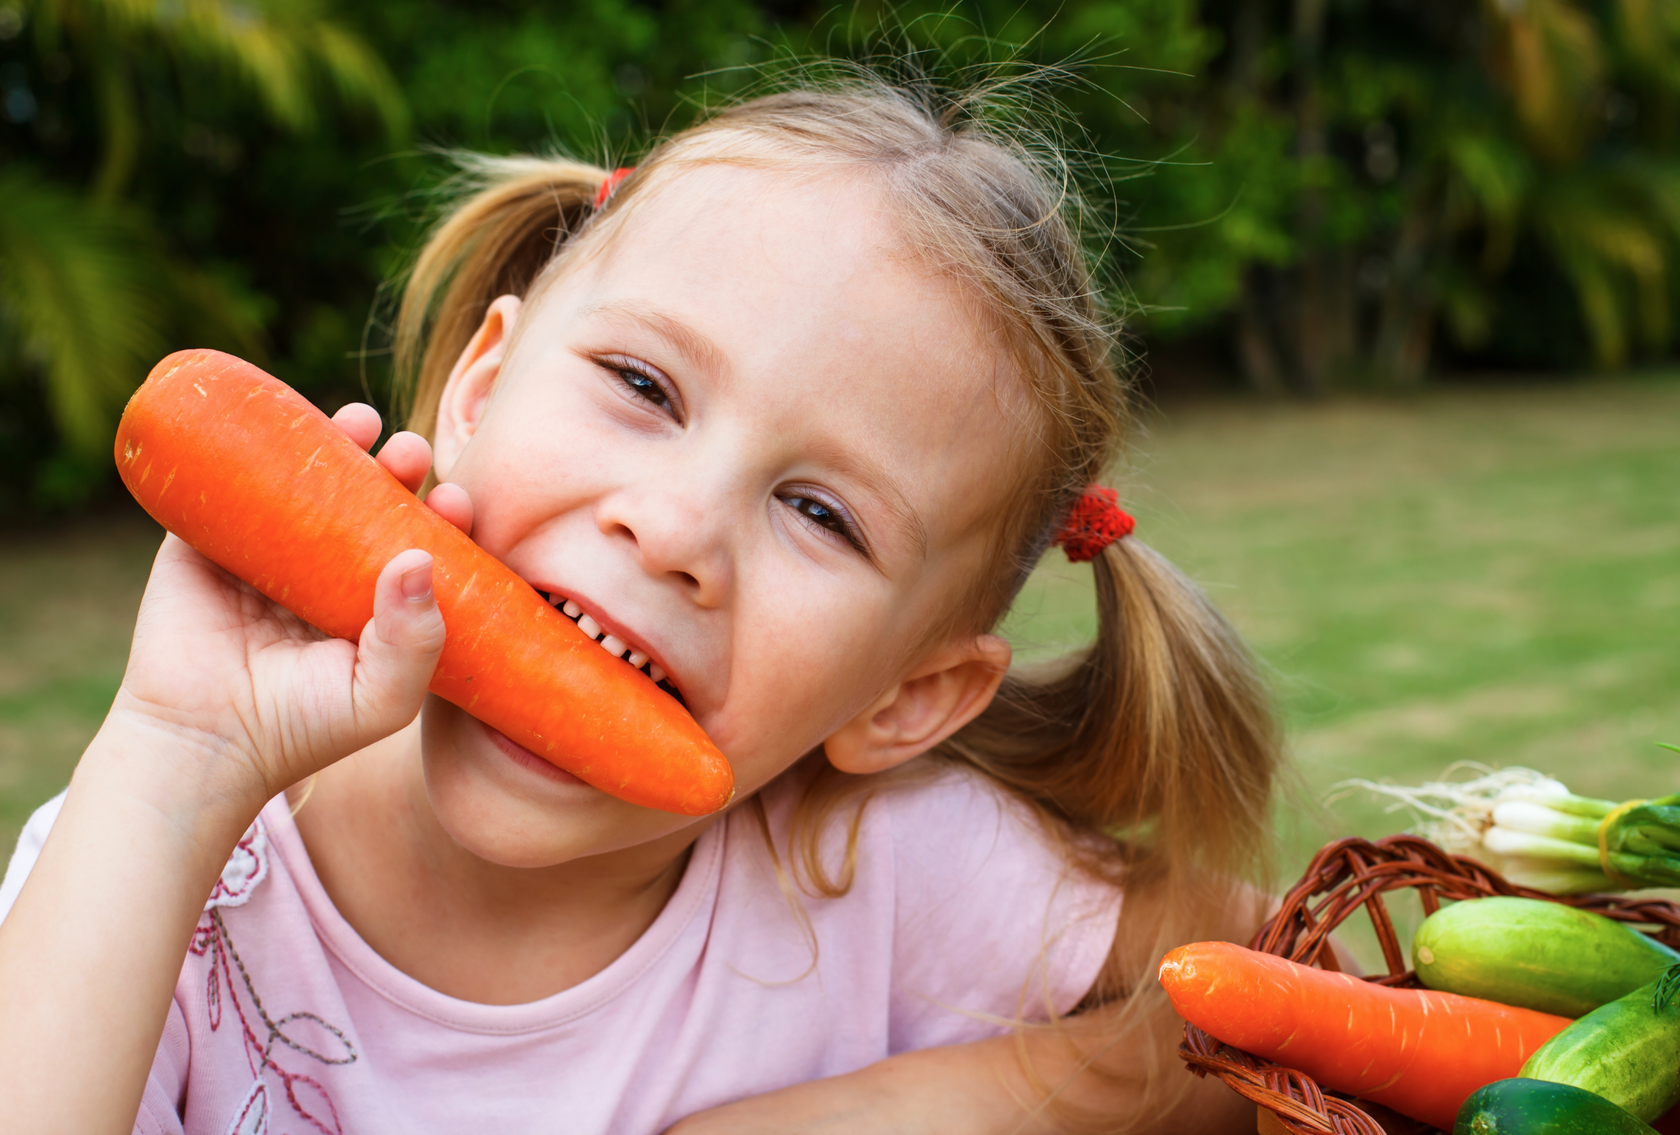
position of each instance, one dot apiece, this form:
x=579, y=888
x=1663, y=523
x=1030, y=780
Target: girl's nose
x=679, y=530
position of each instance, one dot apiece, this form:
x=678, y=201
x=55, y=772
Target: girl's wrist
x=205, y=785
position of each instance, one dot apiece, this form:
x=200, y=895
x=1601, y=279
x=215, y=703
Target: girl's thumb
x=399, y=647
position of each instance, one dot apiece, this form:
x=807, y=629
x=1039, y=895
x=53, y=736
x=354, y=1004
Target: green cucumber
x=1627, y=1051
x=1535, y=954
x=1536, y=1107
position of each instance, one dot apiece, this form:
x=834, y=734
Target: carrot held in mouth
x=243, y=468
x=1418, y=1051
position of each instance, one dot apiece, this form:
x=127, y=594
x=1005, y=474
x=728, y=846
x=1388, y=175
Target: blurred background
x=1401, y=274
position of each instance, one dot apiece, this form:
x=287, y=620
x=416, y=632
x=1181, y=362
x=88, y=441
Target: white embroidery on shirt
x=246, y=867
x=252, y=1116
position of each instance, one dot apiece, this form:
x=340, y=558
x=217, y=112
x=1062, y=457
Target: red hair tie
x=1094, y=522
x=610, y=183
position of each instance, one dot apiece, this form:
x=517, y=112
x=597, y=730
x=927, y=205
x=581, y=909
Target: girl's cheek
x=505, y=477
x=802, y=678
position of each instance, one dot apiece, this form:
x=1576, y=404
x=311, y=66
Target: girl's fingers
x=453, y=504
x=399, y=648
x=360, y=421
x=408, y=458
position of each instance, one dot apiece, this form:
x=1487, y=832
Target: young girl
x=783, y=417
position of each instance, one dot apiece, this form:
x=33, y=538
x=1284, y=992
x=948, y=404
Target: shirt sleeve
x=994, y=926
x=166, y=1087
x=29, y=844
x=160, y=1106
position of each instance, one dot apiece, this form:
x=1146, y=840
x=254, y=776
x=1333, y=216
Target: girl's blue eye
x=643, y=386
x=823, y=516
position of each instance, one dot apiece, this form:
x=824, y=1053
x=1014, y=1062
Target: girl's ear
x=938, y=698
x=467, y=392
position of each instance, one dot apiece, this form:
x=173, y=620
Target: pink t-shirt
x=960, y=919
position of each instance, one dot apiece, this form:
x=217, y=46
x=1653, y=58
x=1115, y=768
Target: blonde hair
x=1150, y=756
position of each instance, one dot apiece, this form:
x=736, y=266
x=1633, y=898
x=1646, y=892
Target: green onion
x=1538, y=819
x=1503, y=841
x=1553, y=877
x=1534, y=831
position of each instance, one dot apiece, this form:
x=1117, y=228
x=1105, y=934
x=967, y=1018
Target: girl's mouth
x=611, y=644
x=530, y=760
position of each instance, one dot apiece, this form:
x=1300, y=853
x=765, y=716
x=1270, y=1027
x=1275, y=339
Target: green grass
x=1486, y=575
x=67, y=604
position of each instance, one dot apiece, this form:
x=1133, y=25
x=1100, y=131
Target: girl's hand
x=253, y=698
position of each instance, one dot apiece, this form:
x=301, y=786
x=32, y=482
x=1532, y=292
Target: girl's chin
x=502, y=803
x=525, y=758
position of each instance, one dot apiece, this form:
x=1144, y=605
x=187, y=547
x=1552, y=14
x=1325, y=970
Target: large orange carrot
x=1415, y=1050
x=244, y=469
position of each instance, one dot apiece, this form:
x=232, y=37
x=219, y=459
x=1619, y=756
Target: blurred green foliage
x=1321, y=192
x=247, y=174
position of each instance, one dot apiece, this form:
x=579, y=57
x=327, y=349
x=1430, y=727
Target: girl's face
x=756, y=441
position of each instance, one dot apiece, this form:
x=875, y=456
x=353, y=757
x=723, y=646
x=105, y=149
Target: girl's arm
x=981, y=1088
x=227, y=700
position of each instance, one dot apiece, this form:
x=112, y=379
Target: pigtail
x=1179, y=728
x=1159, y=734
x=1160, y=737
x=494, y=243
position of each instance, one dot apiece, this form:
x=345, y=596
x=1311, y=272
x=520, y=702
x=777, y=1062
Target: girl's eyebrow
x=878, y=482
x=699, y=350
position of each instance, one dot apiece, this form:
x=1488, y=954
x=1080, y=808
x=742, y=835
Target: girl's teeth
x=613, y=645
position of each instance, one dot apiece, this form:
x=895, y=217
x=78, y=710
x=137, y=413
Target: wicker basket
x=1342, y=878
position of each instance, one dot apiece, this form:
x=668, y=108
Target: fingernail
x=417, y=582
